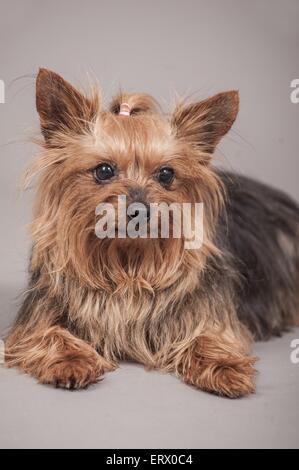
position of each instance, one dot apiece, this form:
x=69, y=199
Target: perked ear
x=204, y=123
x=60, y=106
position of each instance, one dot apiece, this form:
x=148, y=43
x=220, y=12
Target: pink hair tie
x=124, y=109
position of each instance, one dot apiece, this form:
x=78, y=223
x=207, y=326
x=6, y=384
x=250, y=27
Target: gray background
x=161, y=47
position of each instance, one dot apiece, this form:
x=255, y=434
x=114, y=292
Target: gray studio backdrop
x=163, y=47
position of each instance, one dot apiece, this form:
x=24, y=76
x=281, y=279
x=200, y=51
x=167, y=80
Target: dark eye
x=165, y=175
x=103, y=172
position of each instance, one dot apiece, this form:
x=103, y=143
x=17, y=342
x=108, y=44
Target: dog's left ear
x=61, y=107
x=204, y=123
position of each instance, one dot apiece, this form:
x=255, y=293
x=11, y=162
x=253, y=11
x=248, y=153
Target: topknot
x=137, y=103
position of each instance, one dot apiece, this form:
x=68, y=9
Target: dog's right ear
x=61, y=107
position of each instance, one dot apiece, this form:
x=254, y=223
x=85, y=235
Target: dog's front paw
x=75, y=371
x=233, y=380
x=233, y=377
x=219, y=364
x=54, y=356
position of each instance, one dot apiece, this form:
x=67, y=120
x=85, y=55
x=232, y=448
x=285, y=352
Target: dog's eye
x=165, y=175
x=103, y=172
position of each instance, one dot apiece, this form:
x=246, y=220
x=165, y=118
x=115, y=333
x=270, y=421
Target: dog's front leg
x=219, y=362
x=54, y=356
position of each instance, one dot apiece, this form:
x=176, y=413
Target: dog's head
x=92, y=155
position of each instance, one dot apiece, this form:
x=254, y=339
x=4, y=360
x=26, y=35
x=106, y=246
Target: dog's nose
x=145, y=209
x=137, y=196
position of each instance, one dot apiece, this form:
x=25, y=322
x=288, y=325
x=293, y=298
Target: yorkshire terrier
x=92, y=301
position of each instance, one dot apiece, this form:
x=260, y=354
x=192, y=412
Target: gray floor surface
x=133, y=408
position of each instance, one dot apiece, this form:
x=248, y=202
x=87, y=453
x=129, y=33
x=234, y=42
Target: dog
x=92, y=301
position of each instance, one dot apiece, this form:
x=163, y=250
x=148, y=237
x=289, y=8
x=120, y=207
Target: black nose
x=142, y=210
x=137, y=194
